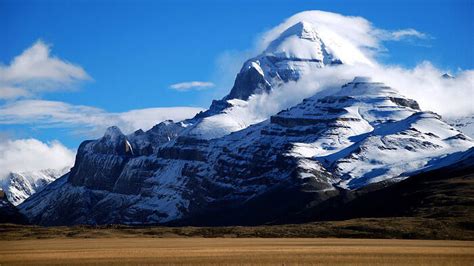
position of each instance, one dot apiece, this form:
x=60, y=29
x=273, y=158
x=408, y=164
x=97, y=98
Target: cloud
x=406, y=33
x=87, y=120
x=35, y=71
x=147, y=118
x=358, y=31
x=448, y=97
x=33, y=155
x=192, y=85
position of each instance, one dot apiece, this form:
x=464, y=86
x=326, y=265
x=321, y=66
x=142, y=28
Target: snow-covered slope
x=21, y=185
x=379, y=134
x=465, y=124
x=364, y=133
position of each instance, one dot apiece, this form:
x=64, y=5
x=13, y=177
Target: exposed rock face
x=308, y=153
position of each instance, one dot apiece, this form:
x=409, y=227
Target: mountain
x=363, y=134
x=18, y=186
x=228, y=166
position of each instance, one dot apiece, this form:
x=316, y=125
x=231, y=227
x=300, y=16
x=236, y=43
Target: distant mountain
x=21, y=185
x=254, y=171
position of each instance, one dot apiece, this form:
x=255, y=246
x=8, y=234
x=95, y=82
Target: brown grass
x=394, y=227
x=236, y=251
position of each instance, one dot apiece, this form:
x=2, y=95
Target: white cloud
x=86, y=120
x=358, y=31
x=35, y=71
x=448, y=97
x=406, y=33
x=147, y=118
x=192, y=85
x=33, y=155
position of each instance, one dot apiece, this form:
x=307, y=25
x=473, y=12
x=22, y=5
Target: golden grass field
x=281, y=251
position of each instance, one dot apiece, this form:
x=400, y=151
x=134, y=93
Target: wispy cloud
x=86, y=120
x=35, y=71
x=192, y=85
x=407, y=33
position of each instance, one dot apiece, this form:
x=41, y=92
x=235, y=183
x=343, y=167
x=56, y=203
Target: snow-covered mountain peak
x=447, y=76
x=365, y=86
x=376, y=93
x=303, y=30
x=308, y=42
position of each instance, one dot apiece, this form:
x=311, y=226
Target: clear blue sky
x=134, y=50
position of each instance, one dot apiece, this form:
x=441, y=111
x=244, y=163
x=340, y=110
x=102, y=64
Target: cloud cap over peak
x=357, y=31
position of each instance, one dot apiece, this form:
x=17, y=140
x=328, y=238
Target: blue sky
x=134, y=50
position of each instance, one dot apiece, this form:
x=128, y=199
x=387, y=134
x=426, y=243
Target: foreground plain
x=236, y=251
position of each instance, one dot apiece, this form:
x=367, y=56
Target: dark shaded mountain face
x=206, y=171
x=8, y=212
x=444, y=193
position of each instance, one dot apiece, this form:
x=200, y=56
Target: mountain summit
x=303, y=41
x=299, y=50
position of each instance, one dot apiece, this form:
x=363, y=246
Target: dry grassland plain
x=281, y=251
